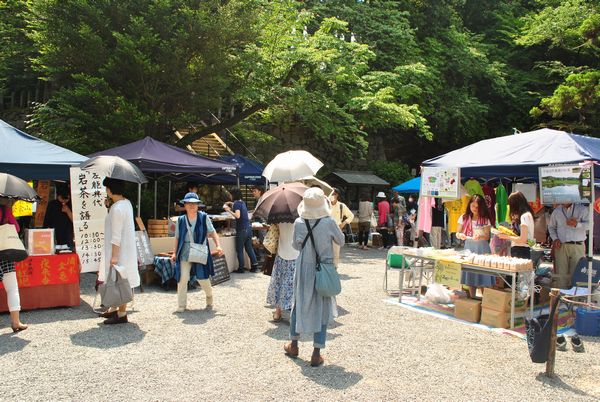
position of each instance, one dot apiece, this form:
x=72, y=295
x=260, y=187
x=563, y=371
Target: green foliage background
x=357, y=82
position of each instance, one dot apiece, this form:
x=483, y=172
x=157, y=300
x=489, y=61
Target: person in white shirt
x=522, y=224
x=119, y=243
x=568, y=226
x=342, y=215
x=281, y=287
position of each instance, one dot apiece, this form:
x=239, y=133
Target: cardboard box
x=500, y=300
x=467, y=309
x=496, y=319
x=39, y=241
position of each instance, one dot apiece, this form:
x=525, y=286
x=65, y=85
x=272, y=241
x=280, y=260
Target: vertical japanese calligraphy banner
x=43, y=190
x=89, y=212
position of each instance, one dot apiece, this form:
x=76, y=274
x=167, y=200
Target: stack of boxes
x=495, y=308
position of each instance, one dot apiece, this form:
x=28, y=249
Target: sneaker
x=116, y=320
x=561, y=343
x=254, y=269
x=239, y=271
x=577, y=344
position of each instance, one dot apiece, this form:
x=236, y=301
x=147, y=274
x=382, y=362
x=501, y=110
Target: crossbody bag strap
x=309, y=231
x=312, y=239
x=189, y=228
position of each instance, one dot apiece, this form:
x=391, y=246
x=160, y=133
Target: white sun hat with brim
x=380, y=194
x=314, y=204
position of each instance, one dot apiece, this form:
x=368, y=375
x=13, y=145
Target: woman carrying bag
x=191, y=234
x=120, y=251
x=8, y=276
x=311, y=312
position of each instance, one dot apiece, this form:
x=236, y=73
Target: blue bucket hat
x=191, y=197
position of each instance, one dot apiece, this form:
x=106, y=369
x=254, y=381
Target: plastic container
x=397, y=261
x=587, y=322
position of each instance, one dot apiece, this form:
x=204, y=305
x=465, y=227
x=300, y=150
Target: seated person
x=59, y=216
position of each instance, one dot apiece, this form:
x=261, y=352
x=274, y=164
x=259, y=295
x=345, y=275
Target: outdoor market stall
x=159, y=160
x=525, y=155
x=446, y=267
x=46, y=279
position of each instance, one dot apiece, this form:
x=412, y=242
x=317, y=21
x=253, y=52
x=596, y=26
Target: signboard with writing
x=447, y=273
x=566, y=184
x=59, y=269
x=144, y=250
x=221, y=271
x=89, y=212
x=23, y=208
x=43, y=190
x=440, y=182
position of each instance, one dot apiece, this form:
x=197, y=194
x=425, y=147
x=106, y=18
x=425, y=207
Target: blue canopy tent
x=31, y=158
x=411, y=186
x=162, y=160
x=520, y=155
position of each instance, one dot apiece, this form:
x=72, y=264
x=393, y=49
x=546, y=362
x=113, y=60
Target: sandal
x=290, y=350
x=19, y=328
x=276, y=318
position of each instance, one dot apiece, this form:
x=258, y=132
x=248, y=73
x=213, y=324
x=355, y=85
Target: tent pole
x=238, y=177
x=139, y=212
x=155, y=195
x=591, y=237
x=169, y=202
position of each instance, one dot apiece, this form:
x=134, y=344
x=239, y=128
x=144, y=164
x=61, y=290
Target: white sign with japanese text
x=89, y=212
x=440, y=182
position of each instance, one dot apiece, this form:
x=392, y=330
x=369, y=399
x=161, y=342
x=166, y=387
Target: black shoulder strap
x=310, y=235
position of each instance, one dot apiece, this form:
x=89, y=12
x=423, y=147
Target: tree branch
x=188, y=139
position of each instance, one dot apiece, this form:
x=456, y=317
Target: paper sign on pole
x=440, y=182
x=566, y=184
x=89, y=212
x=448, y=273
x=23, y=208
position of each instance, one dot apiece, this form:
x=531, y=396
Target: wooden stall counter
x=46, y=281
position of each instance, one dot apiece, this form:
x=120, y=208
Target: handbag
x=271, y=240
x=539, y=331
x=373, y=220
x=327, y=281
x=267, y=268
x=198, y=251
x=115, y=291
x=11, y=247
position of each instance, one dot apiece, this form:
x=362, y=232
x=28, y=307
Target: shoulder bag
x=198, y=251
x=327, y=282
x=115, y=291
x=11, y=247
x=271, y=240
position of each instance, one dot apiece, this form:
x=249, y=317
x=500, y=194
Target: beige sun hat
x=314, y=204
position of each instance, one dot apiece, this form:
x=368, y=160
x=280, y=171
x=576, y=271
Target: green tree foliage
x=571, y=31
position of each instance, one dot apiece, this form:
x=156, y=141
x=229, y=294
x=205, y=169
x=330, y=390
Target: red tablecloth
x=46, y=281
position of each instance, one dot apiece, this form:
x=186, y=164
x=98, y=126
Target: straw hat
x=314, y=204
x=191, y=197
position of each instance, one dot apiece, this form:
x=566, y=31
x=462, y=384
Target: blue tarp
x=520, y=155
x=31, y=158
x=153, y=156
x=411, y=186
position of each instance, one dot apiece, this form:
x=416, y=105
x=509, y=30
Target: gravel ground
x=376, y=351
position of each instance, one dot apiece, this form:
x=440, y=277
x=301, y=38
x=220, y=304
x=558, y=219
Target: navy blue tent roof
x=153, y=156
x=520, y=155
x=31, y=158
x=250, y=170
x=411, y=186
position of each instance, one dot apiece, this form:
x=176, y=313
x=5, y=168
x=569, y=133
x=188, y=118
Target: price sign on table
x=447, y=273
